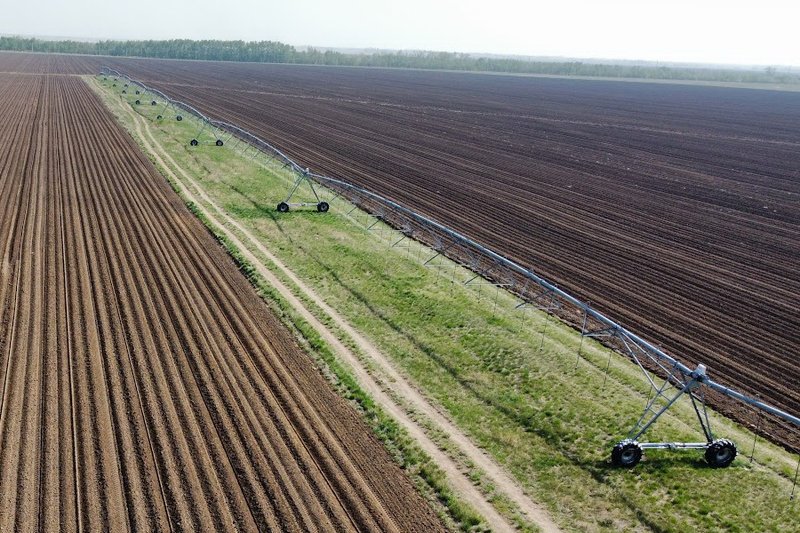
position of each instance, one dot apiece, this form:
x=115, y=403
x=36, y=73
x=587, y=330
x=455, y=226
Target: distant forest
x=276, y=52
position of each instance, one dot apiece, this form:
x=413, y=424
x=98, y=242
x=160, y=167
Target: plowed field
x=673, y=209
x=145, y=386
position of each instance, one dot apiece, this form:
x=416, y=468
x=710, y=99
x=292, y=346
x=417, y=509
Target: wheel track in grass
x=501, y=480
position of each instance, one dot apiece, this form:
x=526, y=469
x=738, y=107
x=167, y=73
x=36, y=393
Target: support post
x=583, y=335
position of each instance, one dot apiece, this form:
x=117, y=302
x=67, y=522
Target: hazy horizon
x=703, y=32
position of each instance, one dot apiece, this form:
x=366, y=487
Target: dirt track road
x=144, y=385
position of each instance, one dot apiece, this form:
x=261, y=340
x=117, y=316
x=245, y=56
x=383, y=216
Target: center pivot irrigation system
x=668, y=378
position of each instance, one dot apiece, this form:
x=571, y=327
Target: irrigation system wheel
x=124, y=91
x=138, y=102
x=179, y=118
x=153, y=102
x=159, y=117
x=137, y=91
x=626, y=454
x=720, y=453
x=194, y=142
x=283, y=207
x=219, y=142
x=323, y=207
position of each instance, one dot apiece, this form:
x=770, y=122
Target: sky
x=754, y=32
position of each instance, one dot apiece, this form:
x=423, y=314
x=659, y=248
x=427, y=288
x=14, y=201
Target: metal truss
x=303, y=177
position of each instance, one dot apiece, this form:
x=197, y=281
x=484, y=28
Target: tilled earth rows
x=145, y=386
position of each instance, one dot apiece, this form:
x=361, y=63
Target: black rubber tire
x=323, y=207
x=219, y=142
x=179, y=118
x=138, y=102
x=720, y=453
x=626, y=454
x=283, y=207
x=137, y=91
x=153, y=102
x=194, y=142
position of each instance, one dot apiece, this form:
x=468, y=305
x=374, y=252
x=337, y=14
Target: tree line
x=276, y=52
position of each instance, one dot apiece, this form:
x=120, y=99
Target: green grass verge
x=550, y=423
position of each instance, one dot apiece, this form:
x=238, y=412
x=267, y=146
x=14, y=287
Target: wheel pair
x=159, y=117
x=153, y=102
x=719, y=454
x=138, y=102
